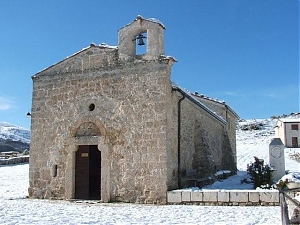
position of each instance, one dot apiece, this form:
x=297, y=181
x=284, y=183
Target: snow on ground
x=232, y=183
x=15, y=208
x=252, y=143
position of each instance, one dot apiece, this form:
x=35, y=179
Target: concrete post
x=276, y=156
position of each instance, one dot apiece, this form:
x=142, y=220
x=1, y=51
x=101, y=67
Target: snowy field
x=256, y=143
x=16, y=209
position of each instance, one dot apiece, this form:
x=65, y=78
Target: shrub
x=252, y=126
x=260, y=174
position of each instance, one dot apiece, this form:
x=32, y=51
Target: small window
x=92, y=107
x=294, y=126
x=54, y=170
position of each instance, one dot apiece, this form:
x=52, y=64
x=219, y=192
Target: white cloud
x=234, y=93
x=5, y=103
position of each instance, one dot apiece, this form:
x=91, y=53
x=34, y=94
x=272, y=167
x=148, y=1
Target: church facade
x=108, y=124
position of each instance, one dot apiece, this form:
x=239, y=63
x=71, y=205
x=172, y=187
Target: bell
x=28, y=114
x=140, y=39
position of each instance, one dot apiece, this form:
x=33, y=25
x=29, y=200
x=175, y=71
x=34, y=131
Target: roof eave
x=102, y=46
x=199, y=104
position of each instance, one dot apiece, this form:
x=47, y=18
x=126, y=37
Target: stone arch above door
x=87, y=129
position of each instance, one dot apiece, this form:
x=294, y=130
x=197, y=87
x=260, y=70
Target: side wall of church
x=204, y=143
x=228, y=115
x=131, y=103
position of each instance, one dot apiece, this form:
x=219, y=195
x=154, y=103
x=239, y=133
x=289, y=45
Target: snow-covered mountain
x=13, y=138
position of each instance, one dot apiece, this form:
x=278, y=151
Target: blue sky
x=245, y=52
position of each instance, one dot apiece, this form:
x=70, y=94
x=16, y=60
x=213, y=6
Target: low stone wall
x=225, y=197
x=15, y=160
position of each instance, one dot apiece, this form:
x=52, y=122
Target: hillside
x=13, y=138
x=253, y=139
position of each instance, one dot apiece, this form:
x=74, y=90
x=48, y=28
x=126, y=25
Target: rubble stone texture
x=124, y=104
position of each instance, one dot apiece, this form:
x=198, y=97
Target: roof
x=193, y=99
x=208, y=98
x=290, y=120
x=101, y=46
x=215, y=100
x=153, y=20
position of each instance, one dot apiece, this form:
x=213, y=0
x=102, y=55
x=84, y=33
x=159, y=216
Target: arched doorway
x=88, y=173
x=88, y=163
x=87, y=135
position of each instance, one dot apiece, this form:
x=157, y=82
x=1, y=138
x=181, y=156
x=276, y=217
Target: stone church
x=108, y=124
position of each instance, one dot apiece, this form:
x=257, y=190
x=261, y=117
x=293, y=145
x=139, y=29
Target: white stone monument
x=276, y=156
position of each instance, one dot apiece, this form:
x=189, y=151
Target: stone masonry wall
x=172, y=142
x=231, y=118
x=203, y=143
x=155, y=39
x=131, y=105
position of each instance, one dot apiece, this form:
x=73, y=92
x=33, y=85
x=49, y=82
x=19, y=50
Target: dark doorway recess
x=88, y=173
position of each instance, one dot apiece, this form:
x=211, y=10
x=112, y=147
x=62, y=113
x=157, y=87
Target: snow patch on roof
x=222, y=102
x=153, y=20
x=290, y=120
x=208, y=98
x=199, y=103
x=168, y=57
x=102, y=46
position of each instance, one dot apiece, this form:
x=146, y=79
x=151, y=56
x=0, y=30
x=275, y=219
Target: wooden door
x=94, y=172
x=82, y=173
x=88, y=172
x=295, y=142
